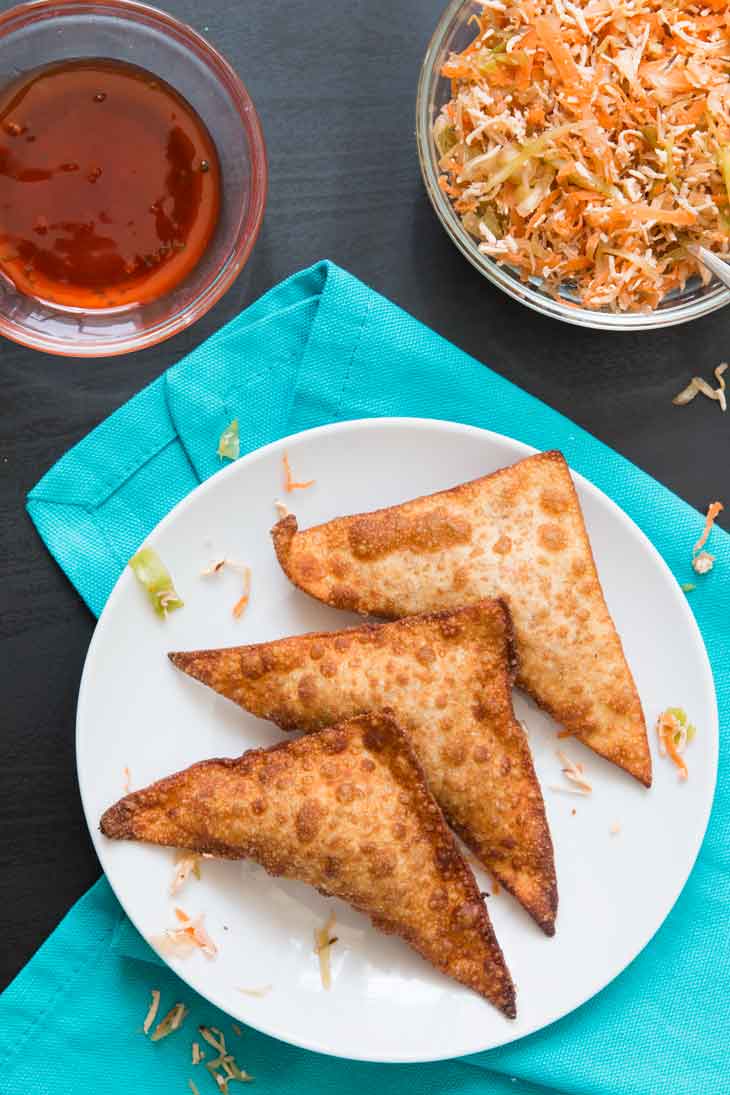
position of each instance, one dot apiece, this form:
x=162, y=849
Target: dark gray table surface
x=335, y=88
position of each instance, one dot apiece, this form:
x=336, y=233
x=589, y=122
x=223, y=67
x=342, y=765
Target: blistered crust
x=518, y=534
x=346, y=810
x=446, y=677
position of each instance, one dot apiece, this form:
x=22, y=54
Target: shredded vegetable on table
x=588, y=142
x=699, y=386
x=229, y=444
x=713, y=510
x=152, y=1012
x=224, y=1068
x=702, y=561
x=173, y=1021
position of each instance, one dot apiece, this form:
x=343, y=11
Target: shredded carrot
x=627, y=214
x=543, y=207
x=242, y=603
x=673, y=737
x=216, y=568
x=452, y=191
x=240, y=606
x=589, y=142
x=548, y=31
x=289, y=482
x=183, y=940
x=669, y=744
x=712, y=511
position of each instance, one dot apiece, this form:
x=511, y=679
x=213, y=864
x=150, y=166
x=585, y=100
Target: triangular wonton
x=346, y=810
x=447, y=679
x=518, y=534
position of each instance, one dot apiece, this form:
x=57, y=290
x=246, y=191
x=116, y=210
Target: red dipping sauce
x=109, y=184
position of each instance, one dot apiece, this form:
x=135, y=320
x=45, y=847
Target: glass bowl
x=51, y=30
x=453, y=34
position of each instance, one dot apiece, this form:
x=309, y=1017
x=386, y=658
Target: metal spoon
x=714, y=264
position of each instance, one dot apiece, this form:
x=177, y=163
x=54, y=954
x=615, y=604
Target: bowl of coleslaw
x=572, y=151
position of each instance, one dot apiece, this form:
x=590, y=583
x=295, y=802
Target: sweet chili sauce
x=109, y=184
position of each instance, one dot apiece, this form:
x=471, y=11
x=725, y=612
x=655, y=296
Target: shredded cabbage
x=596, y=134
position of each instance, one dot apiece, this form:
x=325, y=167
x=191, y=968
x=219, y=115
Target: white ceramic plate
x=385, y=1004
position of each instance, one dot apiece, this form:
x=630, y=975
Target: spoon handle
x=714, y=264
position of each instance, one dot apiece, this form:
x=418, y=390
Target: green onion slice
x=151, y=572
x=229, y=446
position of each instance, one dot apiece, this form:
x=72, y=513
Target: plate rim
x=419, y=423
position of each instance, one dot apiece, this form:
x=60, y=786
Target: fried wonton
x=446, y=677
x=346, y=810
x=517, y=534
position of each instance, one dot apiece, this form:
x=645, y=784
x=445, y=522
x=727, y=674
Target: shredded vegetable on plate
x=573, y=772
x=242, y=602
x=586, y=143
x=290, y=483
x=186, y=863
x=675, y=732
x=188, y=936
x=151, y=572
x=323, y=940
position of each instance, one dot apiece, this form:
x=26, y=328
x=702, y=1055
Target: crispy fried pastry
x=346, y=810
x=517, y=534
x=447, y=679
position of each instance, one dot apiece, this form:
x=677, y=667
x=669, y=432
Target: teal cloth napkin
x=318, y=348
